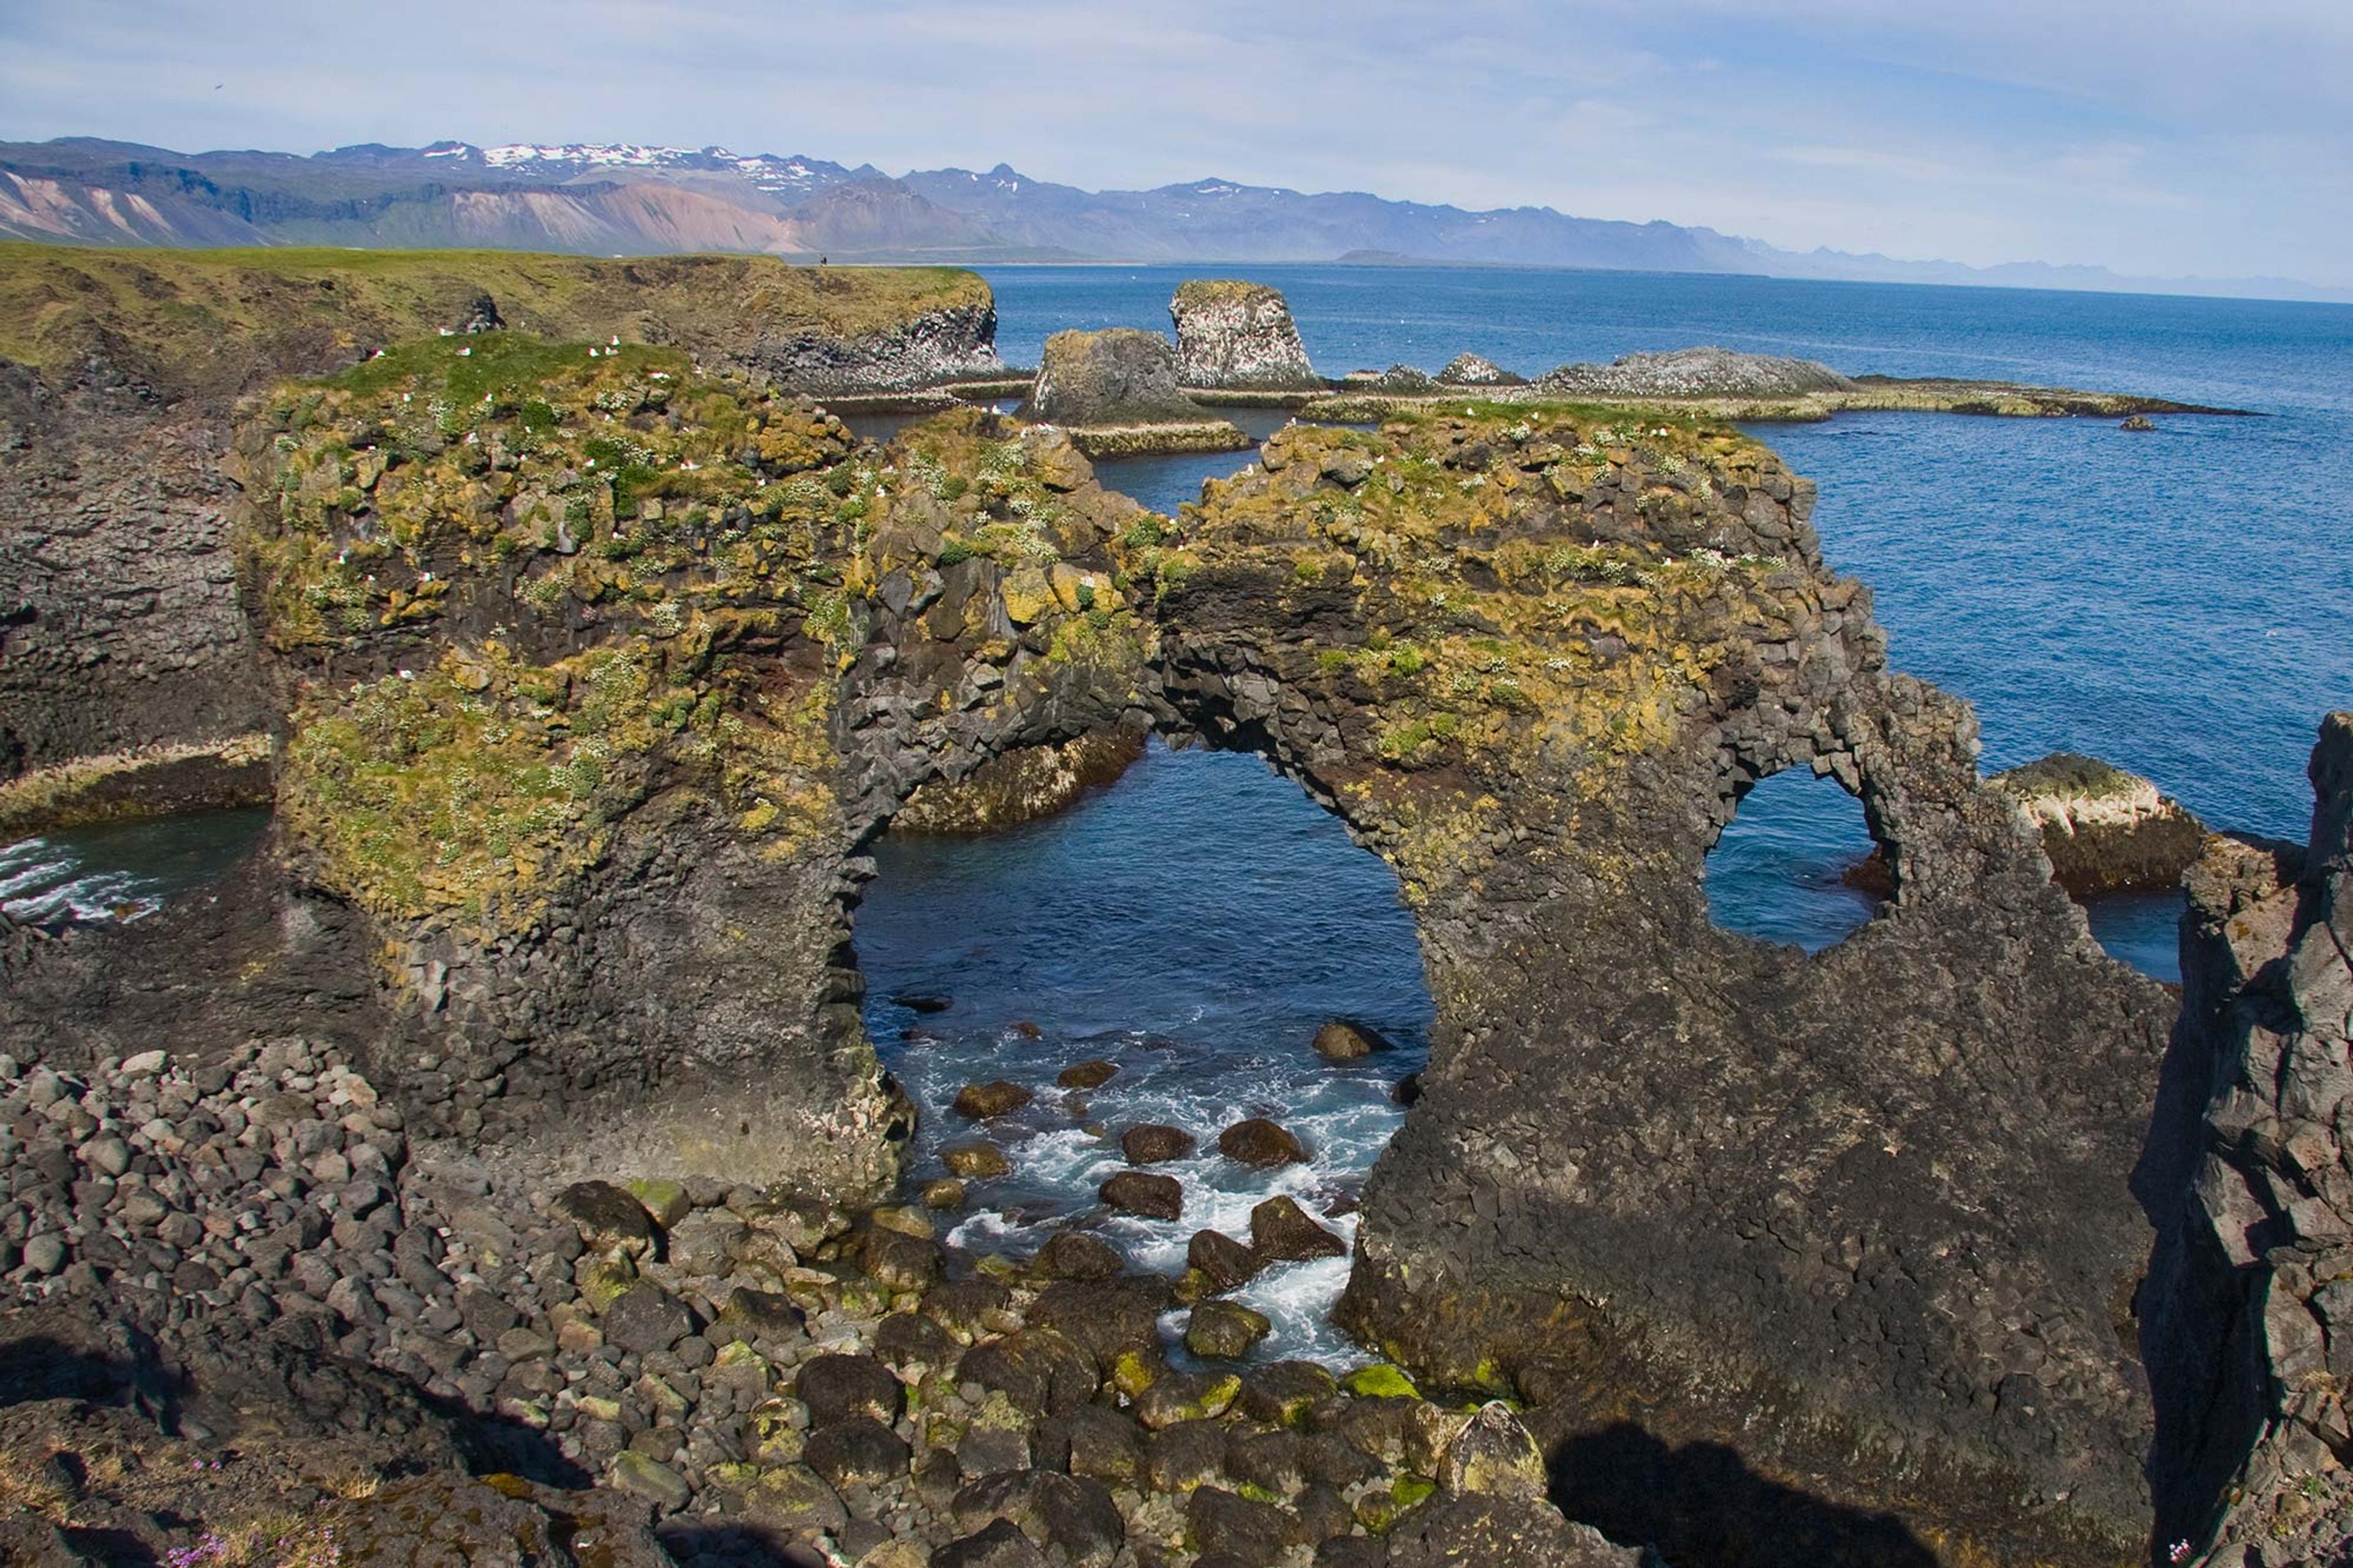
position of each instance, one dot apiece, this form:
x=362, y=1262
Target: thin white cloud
x=2164, y=138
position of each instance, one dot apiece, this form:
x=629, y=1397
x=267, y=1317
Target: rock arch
x=1862, y=1217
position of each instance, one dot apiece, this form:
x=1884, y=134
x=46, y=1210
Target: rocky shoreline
x=750, y=1372
x=515, y=1095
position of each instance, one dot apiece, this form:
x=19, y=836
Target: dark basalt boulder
x=1041, y=1371
x=1068, y=1514
x=1505, y=1532
x=1224, y=1330
x=1282, y=1230
x=857, y=1450
x=836, y=1387
x=1137, y=1192
x=998, y=1545
x=1151, y=1143
x=985, y=1102
x=1074, y=1254
x=1260, y=1142
x=1342, y=1041
x=646, y=1318
x=1251, y=1532
x=1227, y=1263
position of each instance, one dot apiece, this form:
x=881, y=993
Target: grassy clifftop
x=214, y=323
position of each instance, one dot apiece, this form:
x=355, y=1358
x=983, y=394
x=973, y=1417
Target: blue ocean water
x=2170, y=601
x=1194, y=924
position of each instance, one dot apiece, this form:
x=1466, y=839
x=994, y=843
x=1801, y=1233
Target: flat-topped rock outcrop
x=1118, y=391
x=1234, y=336
x=1721, y=384
x=2106, y=830
x=1693, y=372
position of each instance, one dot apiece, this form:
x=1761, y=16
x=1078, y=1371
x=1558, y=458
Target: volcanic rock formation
x=597, y=672
x=1118, y=391
x=2248, y=1324
x=120, y=624
x=2106, y=830
x=1238, y=337
x=1695, y=372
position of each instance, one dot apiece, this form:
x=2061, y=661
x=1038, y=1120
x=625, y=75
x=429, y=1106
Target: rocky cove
x=594, y=670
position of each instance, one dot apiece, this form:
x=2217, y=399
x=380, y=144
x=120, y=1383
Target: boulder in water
x=1074, y=1254
x=1086, y=1075
x=982, y=1101
x=1280, y=1229
x=1137, y=1192
x=1341, y=1041
x=2106, y=830
x=1260, y=1142
x=1150, y=1142
x=1234, y=336
x=1223, y=1261
x=975, y=1160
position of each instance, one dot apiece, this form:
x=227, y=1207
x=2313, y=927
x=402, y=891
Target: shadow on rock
x=737, y=1545
x=1702, y=1508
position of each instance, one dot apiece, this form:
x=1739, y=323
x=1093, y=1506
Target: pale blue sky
x=2161, y=138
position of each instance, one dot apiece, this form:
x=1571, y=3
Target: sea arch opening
x=1796, y=863
x=1191, y=927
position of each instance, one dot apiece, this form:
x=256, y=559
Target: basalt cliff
x=120, y=627
x=592, y=675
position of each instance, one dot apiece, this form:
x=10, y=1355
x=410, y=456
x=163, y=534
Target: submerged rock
x=1342, y=1041
x=975, y=1160
x=1235, y=337
x=2106, y=830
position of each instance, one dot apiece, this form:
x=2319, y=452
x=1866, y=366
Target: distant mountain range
x=626, y=199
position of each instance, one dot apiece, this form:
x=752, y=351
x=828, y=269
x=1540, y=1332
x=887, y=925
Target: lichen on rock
x=1118, y=390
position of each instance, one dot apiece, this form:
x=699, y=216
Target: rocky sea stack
x=1117, y=392
x=1238, y=337
x=2106, y=830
